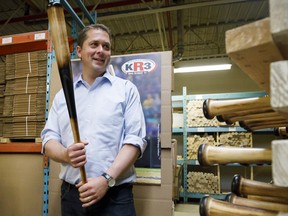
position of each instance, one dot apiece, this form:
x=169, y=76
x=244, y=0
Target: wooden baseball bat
x=61, y=46
x=267, y=199
x=213, y=207
x=263, y=125
x=233, y=198
x=265, y=121
x=212, y=108
x=281, y=131
x=243, y=187
x=209, y=155
x=230, y=119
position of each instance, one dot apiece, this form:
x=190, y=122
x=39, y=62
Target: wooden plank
x=252, y=48
x=279, y=24
x=279, y=86
x=280, y=160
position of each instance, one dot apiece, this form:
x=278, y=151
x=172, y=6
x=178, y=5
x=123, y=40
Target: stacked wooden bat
x=60, y=41
x=251, y=113
x=281, y=132
x=248, y=197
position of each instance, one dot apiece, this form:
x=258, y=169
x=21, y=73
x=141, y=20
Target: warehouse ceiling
x=192, y=29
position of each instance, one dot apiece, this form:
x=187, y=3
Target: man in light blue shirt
x=112, y=131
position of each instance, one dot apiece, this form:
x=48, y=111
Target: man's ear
x=78, y=49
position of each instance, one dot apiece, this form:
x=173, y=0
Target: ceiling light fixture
x=203, y=68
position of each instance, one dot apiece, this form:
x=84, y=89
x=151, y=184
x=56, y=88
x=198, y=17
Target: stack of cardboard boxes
x=25, y=93
x=2, y=87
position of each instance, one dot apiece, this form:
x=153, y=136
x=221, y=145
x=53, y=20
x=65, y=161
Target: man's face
x=96, y=51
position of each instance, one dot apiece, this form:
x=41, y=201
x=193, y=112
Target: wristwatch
x=111, y=181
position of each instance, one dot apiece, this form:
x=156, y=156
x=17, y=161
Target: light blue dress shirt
x=109, y=115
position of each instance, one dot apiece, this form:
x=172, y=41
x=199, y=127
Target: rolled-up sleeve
x=135, y=128
x=51, y=129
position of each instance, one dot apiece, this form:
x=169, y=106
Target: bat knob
x=203, y=205
x=235, y=186
x=200, y=155
x=206, y=109
x=229, y=197
x=220, y=118
x=276, y=132
x=243, y=125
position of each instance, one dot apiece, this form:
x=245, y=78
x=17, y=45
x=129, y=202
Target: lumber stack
x=195, y=117
x=194, y=141
x=236, y=139
x=199, y=182
x=25, y=94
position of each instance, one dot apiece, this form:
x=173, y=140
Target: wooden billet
x=279, y=87
x=279, y=25
x=280, y=162
x=252, y=48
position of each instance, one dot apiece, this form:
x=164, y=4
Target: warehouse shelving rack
x=181, y=102
x=29, y=42
x=35, y=41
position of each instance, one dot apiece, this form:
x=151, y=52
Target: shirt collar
x=106, y=76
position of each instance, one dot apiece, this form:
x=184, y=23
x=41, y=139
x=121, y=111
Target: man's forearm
x=56, y=151
x=124, y=160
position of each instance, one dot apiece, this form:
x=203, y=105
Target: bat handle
x=83, y=174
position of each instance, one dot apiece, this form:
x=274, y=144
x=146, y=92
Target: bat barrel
x=262, y=115
x=213, y=207
x=209, y=155
x=212, y=108
x=243, y=187
x=233, y=198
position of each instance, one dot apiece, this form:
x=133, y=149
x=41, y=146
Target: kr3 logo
x=138, y=66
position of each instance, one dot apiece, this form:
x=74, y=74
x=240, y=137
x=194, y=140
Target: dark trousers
x=118, y=201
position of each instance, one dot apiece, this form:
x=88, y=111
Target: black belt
x=113, y=188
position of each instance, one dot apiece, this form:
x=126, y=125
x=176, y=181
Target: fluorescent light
x=203, y=68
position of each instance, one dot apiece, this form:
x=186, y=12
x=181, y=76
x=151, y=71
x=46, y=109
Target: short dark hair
x=82, y=35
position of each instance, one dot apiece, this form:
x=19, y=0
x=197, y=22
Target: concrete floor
x=186, y=210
